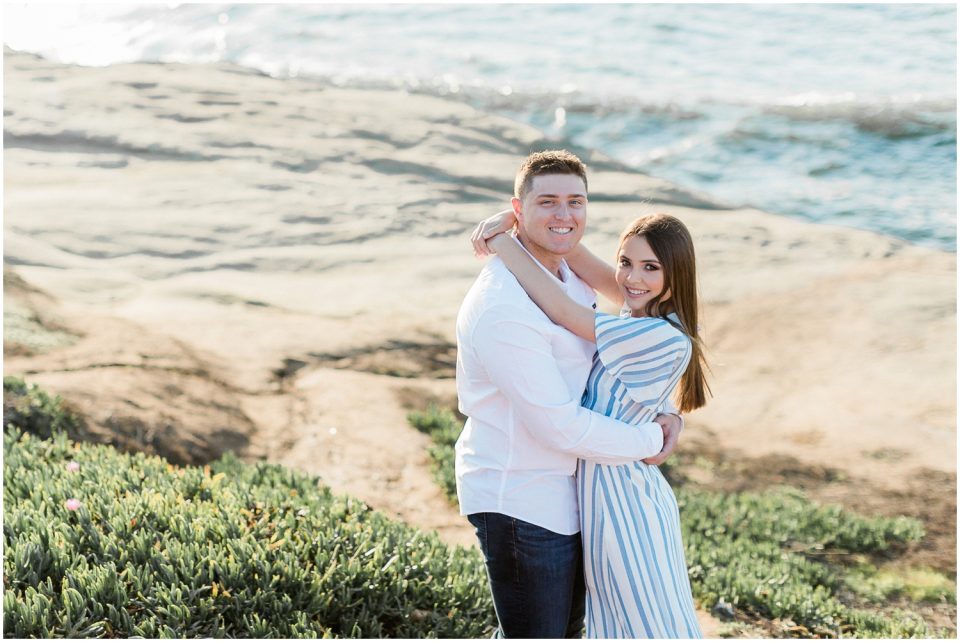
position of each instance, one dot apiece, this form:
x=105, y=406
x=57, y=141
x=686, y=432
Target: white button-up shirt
x=520, y=380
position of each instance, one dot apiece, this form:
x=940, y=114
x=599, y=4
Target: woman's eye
x=650, y=267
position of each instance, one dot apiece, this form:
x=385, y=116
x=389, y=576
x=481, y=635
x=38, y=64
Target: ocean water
x=835, y=113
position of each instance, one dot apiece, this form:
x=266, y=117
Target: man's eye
x=546, y=203
x=576, y=202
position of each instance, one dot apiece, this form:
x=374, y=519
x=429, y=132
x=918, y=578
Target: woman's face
x=639, y=274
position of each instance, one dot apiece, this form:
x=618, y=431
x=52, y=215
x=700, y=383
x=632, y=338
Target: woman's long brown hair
x=671, y=242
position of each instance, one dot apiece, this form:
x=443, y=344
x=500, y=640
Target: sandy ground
x=203, y=258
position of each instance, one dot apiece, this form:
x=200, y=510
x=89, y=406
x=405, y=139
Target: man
x=520, y=379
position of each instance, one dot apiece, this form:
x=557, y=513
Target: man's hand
x=490, y=227
x=671, y=435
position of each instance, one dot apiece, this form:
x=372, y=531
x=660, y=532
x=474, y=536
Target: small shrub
x=916, y=584
x=34, y=411
x=925, y=585
x=896, y=625
x=865, y=581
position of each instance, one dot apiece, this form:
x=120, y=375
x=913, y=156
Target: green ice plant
x=101, y=543
x=757, y=554
x=917, y=584
x=104, y=544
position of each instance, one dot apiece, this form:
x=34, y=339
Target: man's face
x=552, y=215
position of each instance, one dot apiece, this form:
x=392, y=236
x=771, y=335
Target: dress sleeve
x=648, y=355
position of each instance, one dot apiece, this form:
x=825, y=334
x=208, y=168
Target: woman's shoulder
x=611, y=326
x=645, y=354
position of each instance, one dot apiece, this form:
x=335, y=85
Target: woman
x=636, y=576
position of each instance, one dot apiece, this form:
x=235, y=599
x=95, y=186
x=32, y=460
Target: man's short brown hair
x=554, y=161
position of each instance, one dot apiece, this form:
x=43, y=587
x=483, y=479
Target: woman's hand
x=500, y=222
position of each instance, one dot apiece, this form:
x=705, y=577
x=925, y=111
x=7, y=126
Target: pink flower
x=73, y=466
x=72, y=504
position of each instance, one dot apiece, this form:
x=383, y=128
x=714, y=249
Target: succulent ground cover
x=775, y=563
x=100, y=543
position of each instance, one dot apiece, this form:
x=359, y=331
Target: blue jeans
x=536, y=577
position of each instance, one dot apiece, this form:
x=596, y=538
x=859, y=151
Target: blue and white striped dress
x=636, y=576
